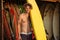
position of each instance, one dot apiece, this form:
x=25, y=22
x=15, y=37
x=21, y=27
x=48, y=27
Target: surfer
x=24, y=23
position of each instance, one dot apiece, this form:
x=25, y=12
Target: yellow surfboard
x=37, y=22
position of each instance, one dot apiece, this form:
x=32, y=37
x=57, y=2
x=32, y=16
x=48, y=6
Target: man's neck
x=27, y=14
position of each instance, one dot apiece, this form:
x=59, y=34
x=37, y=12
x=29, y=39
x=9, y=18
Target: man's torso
x=25, y=24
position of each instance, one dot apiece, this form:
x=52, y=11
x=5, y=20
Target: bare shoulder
x=21, y=15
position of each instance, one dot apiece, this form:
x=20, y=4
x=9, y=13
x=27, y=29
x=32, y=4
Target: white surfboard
x=51, y=22
x=37, y=22
x=56, y=23
x=48, y=20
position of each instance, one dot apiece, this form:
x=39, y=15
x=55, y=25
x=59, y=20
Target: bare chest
x=25, y=20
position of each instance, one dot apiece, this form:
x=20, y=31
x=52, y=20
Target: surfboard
x=48, y=17
x=36, y=20
x=56, y=23
x=51, y=21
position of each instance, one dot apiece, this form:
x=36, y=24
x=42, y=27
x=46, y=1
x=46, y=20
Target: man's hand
x=20, y=37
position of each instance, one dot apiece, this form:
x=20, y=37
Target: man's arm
x=19, y=26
